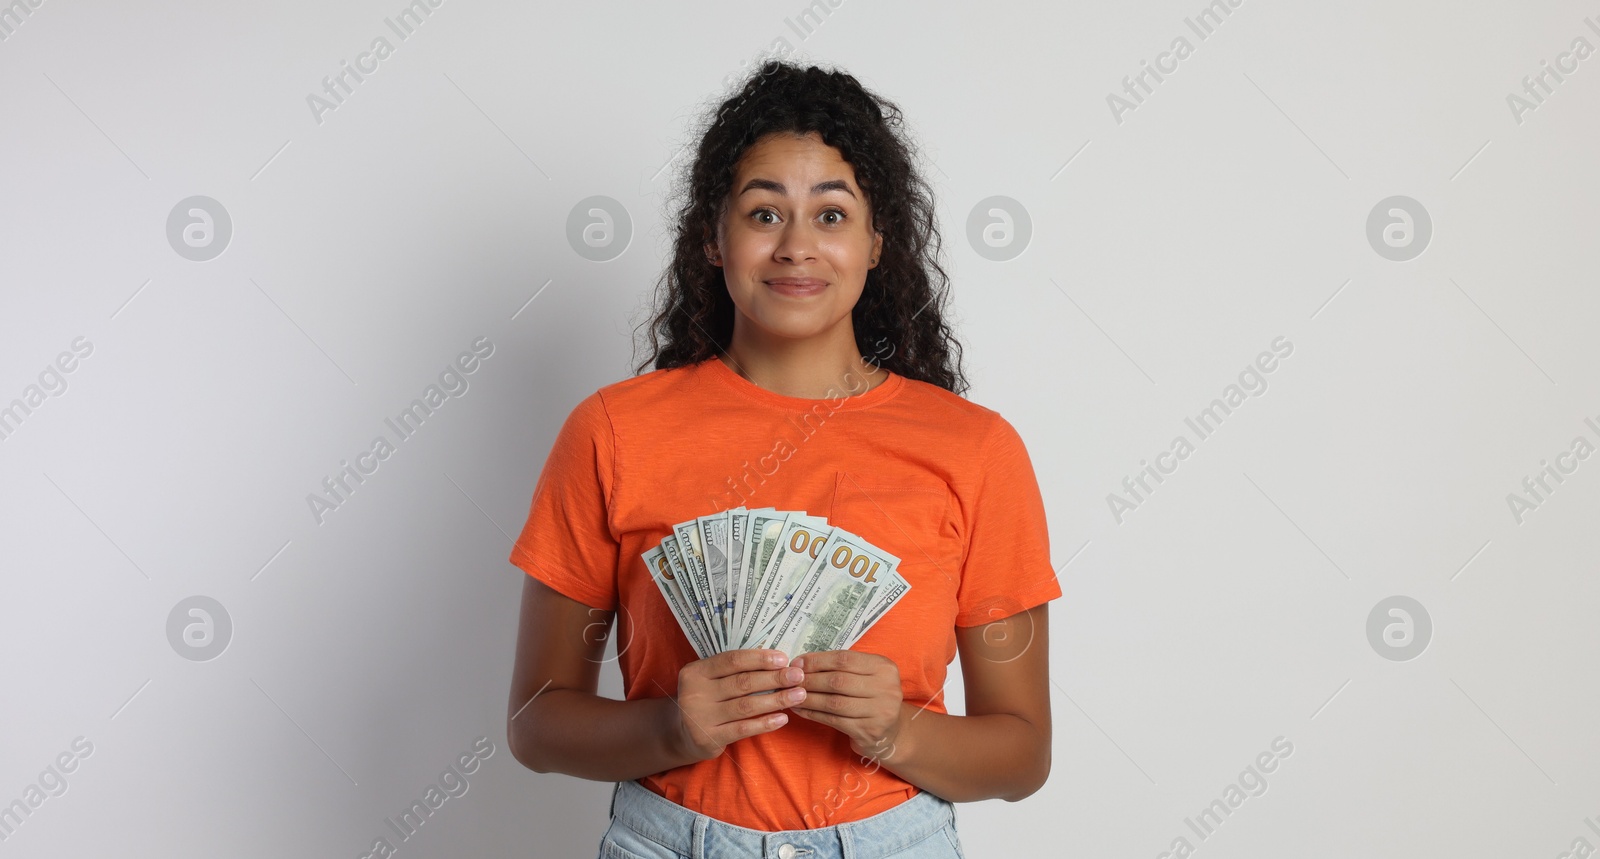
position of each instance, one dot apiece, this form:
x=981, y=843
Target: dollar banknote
x=661, y=571
x=766, y=528
x=714, y=550
x=687, y=536
x=833, y=595
x=768, y=578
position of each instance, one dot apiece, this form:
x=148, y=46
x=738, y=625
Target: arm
x=1001, y=747
x=555, y=720
x=557, y=723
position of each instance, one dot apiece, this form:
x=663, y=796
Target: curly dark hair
x=899, y=319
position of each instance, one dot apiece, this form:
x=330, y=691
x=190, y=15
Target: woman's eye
x=760, y=215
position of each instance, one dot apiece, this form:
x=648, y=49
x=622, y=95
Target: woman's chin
x=791, y=326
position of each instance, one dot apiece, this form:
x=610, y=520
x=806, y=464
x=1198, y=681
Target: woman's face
x=797, y=239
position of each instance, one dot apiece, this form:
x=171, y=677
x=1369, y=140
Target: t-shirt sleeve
x=1007, y=564
x=567, y=542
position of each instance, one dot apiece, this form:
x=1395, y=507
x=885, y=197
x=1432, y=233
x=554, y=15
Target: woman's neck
x=814, y=369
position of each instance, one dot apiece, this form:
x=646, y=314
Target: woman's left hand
x=857, y=693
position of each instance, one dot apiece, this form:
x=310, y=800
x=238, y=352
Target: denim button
x=786, y=851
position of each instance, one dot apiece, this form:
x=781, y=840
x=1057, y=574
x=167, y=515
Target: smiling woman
x=806, y=242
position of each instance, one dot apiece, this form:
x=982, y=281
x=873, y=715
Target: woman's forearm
x=587, y=736
x=969, y=758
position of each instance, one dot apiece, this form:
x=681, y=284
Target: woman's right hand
x=715, y=704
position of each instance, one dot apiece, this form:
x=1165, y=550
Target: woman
x=802, y=362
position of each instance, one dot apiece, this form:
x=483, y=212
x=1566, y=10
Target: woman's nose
x=796, y=245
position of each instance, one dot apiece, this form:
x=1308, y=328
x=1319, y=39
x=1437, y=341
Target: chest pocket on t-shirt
x=909, y=518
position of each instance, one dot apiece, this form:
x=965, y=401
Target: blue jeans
x=646, y=825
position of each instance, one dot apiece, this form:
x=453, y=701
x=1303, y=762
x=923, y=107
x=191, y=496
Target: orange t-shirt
x=944, y=484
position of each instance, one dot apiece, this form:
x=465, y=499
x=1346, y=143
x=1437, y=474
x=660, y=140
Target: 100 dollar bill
x=788, y=580
x=834, y=594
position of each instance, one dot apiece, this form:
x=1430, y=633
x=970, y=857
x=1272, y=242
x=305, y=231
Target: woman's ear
x=710, y=245
x=877, y=249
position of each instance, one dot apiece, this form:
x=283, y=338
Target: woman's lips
x=797, y=286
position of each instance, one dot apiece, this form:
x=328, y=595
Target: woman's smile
x=798, y=287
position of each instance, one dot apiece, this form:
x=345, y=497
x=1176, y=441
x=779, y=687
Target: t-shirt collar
x=843, y=400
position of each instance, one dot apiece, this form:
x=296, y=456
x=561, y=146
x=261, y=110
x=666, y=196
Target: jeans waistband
x=693, y=834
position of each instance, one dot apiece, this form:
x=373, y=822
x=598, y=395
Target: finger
x=756, y=682
x=744, y=659
x=838, y=705
x=762, y=724
x=849, y=661
x=841, y=683
x=821, y=716
x=726, y=734
x=742, y=707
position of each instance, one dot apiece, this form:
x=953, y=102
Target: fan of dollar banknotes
x=778, y=579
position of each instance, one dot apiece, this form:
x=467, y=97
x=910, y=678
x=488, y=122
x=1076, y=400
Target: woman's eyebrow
x=778, y=187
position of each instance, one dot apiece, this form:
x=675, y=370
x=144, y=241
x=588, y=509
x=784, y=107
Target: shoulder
x=954, y=413
x=625, y=402
x=979, y=446
x=640, y=392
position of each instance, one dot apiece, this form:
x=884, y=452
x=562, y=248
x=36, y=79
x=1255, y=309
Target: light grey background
x=1168, y=249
